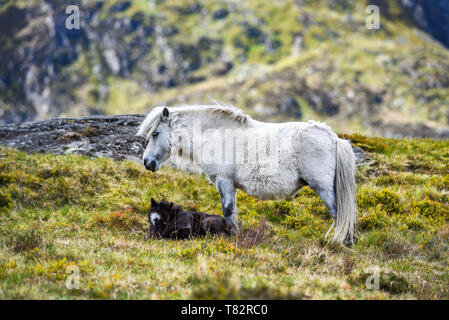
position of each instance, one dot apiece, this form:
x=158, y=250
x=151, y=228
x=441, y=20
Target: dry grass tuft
x=248, y=238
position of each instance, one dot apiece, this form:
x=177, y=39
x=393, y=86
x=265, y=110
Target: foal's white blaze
x=154, y=217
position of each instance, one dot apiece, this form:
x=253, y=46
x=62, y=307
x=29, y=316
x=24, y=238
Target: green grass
x=58, y=213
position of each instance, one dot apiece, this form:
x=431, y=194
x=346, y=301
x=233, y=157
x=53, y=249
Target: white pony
x=266, y=160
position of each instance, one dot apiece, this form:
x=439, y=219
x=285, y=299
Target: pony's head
x=157, y=129
x=167, y=131
x=159, y=216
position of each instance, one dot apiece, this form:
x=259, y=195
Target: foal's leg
x=228, y=194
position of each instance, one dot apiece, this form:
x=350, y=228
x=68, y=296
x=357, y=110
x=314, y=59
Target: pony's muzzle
x=150, y=165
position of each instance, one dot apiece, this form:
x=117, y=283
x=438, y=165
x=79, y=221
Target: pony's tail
x=345, y=188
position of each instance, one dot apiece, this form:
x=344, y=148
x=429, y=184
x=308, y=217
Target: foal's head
x=159, y=216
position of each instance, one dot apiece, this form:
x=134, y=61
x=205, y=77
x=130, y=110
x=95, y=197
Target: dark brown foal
x=168, y=220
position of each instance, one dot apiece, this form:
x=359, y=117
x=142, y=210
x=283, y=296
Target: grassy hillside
x=277, y=60
x=58, y=212
x=298, y=59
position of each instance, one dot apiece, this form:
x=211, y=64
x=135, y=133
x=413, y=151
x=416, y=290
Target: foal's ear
x=165, y=113
x=153, y=202
x=170, y=207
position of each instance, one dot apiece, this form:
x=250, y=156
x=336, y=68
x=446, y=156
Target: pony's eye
x=155, y=134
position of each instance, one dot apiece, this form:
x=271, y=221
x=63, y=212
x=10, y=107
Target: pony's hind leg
x=327, y=195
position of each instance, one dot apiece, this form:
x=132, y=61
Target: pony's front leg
x=228, y=195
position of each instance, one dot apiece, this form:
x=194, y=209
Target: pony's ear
x=165, y=114
x=153, y=202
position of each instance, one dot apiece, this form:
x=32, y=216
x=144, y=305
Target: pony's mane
x=217, y=111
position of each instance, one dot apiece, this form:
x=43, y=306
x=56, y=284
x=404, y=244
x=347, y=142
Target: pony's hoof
x=350, y=242
x=232, y=227
x=234, y=230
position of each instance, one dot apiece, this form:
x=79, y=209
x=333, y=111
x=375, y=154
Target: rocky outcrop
x=96, y=136
x=416, y=130
x=432, y=16
x=43, y=62
x=130, y=55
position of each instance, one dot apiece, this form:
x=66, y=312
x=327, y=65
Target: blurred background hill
x=278, y=60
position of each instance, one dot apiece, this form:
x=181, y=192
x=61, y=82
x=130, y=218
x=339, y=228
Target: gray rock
x=360, y=157
x=431, y=16
x=220, y=14
x=414, y=130
x=96, y=136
